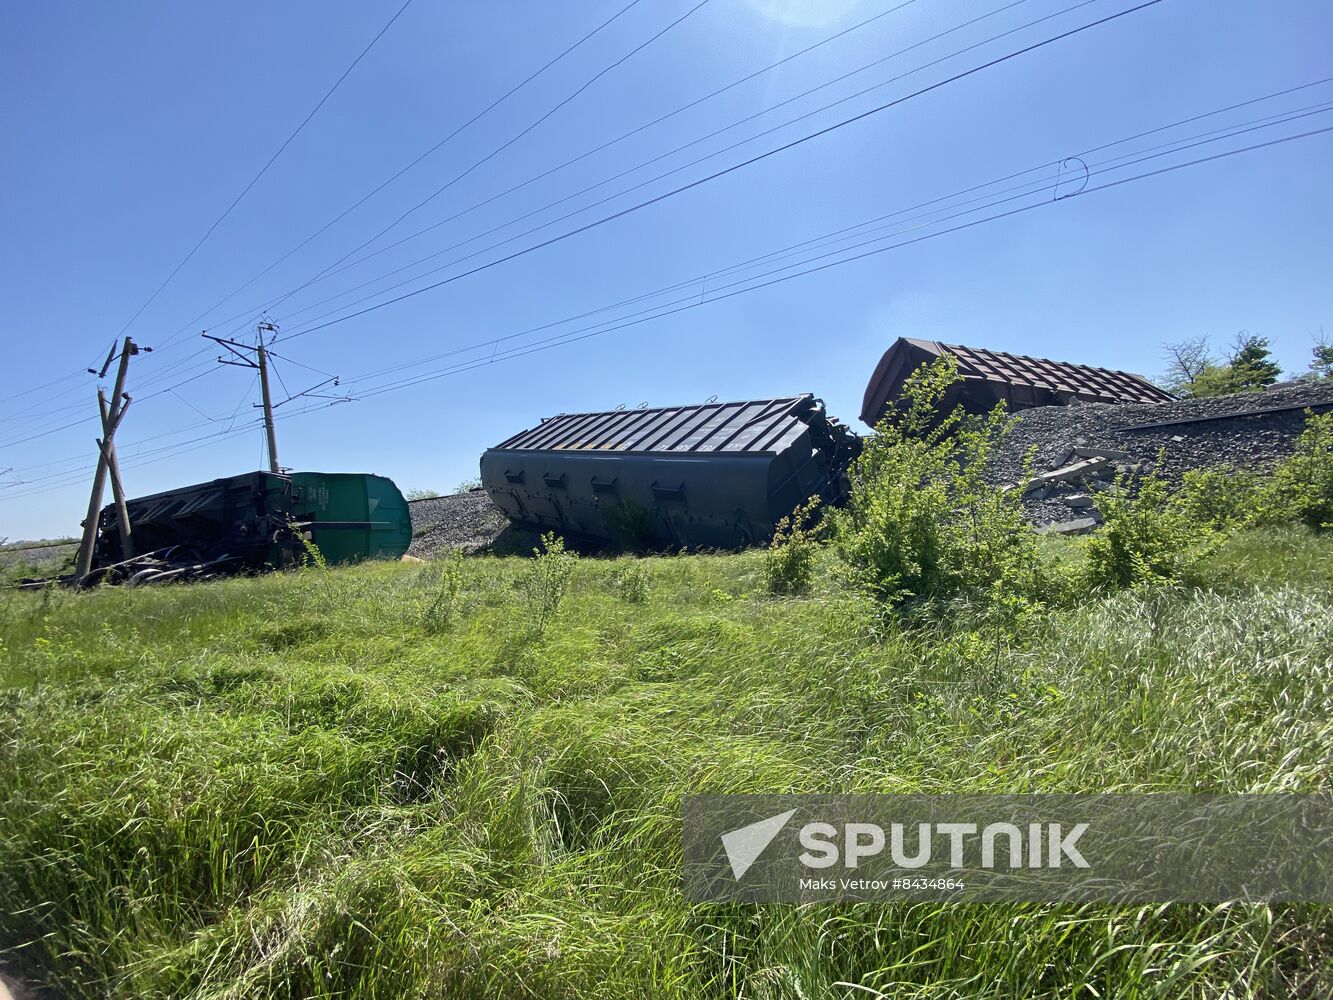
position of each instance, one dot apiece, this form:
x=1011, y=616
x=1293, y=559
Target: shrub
x=312, y=558
x=789, y=563
x=544, y=581
x=441, y=611
x=1217, y=499
x=631, y=581
x=1145, y=537
x=1151, y=535
x=421, y=494
x=1301, y=488
x=922, y=521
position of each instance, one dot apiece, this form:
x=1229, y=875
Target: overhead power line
x=859, y=230
x=175, y=337
x=717, y=273
x=694, y=302
x=809, y=137
x=437, y=146
x=262, y=170
x=642, y=184
x=499, y=149
x=753, y=284
x=336, y=269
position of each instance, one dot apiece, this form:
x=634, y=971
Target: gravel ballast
x=1254, y=443
x=467, y=521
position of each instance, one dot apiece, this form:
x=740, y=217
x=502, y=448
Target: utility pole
x=261, y=355
x=111, y=413
x=108, y=448
x=261, y=363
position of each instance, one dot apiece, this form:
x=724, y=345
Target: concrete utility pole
x=241, y=358
x=260, y=362
x=108, y=449
x=261, y=356
x=111, y=414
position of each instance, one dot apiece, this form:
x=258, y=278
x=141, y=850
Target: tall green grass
x=386, y=781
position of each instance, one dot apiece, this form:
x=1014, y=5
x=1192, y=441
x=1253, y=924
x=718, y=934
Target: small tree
x=1252, y=363
x=789, y=563
x=1186, y=362
x=544, y=580
x=1194, y=372
x=1321, y=360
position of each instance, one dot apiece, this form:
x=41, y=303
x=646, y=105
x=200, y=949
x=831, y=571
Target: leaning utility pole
x=111, y=413
x=108, y=449
x=261, y=355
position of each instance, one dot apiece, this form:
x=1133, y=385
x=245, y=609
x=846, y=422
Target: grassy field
x=445, y=780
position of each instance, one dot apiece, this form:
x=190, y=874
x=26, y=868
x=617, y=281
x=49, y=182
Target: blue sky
x=130, y=127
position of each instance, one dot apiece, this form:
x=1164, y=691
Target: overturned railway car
x=714, y=475
x=252, y=522
x=991, y=377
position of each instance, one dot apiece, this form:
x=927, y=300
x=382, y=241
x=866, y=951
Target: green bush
x=544, y=581
x=1301, y=488
x=631, y=581
x=789, y=563
x=442, y=610
x=1152, y=535
x=923, y=521
x=1145, y=537
x=1222, y=498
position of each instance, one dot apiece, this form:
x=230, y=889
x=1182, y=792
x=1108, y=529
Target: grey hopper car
x=715, y=475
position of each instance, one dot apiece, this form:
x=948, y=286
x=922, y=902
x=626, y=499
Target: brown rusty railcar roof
x=759, y=426
x=1083, y=380
x=1018, y=378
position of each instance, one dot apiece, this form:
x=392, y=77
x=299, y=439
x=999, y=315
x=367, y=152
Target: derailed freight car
x=987, y=378
x=251, y=522
x=714, y=475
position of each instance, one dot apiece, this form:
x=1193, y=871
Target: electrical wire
x=809, y=137
x=523, y=132
x=639, y=166
x=696, y=303
x=715, y=273
x=339, y=266
x=262, y=171
x=438, y=145
x=845, y=233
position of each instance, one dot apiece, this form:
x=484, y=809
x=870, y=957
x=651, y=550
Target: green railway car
x=253, y=522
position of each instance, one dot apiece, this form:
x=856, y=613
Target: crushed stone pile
x=1255, y=442
x=467, y=521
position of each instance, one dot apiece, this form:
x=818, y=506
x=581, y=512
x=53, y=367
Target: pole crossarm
x=258, y=356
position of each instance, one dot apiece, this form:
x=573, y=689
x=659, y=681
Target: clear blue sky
x=130, y=127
